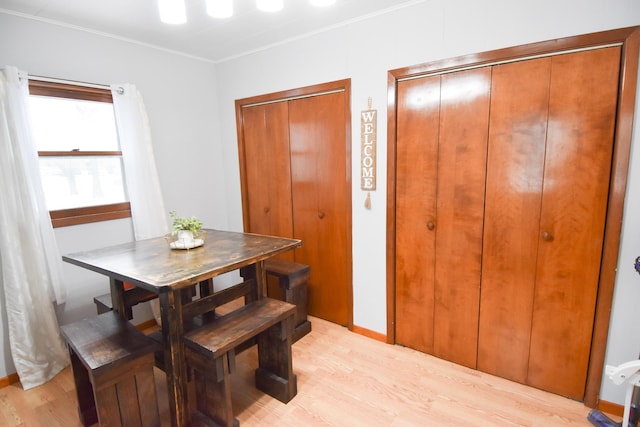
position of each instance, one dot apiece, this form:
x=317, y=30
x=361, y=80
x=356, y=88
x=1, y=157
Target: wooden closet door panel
x=320, y=196
x=582, y=113
x=418, y=119
x=267, y=169
x=462, y=155
x=515, y=167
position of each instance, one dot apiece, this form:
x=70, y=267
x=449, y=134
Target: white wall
x=197, y=155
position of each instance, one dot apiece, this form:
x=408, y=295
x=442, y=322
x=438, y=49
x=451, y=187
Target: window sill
x=76, y=216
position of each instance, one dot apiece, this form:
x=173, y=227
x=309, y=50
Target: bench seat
x=210, y=352
x=227, y=332
x=293, y=281
x=132, y=297
x=112, y=363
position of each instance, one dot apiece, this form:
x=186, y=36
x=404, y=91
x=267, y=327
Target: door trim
x=291, y=98
x=629, y=38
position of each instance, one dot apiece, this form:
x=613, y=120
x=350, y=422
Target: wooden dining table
x=153, y=266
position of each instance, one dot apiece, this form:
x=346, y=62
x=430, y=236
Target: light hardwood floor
x=344, y=379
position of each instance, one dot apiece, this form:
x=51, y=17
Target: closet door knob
x=266, y=209
x=431, y=225
x=320, y=215
x=547, y=236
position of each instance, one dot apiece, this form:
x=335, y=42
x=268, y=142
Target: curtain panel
x=29, y=257
x=147, y=206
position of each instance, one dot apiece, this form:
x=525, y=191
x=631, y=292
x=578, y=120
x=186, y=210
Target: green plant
x=192, y=224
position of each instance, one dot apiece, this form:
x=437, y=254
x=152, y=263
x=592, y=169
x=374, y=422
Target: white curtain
x=147, y=207
x=30, y=260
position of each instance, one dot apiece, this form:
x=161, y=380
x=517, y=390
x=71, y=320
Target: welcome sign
x=369, y=136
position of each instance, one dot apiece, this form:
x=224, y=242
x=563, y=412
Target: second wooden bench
x=210, y=353
x=112, y=365
x=291, y=286
x=132, y=296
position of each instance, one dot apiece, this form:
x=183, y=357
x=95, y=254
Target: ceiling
x=202, y=36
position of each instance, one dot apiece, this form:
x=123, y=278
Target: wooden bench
x=210, y=352
x=293, y=279
x=112, y=365
x=132, y=296
x=291, y=286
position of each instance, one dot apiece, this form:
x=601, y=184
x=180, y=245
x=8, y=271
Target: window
x=80, y=159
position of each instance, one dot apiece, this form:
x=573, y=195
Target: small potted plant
x=187, y=232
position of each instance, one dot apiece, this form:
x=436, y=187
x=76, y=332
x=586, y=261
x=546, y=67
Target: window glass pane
x=63, y=124
x=72, y=182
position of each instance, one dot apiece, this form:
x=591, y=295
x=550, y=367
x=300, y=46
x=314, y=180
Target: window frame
x=84, y=214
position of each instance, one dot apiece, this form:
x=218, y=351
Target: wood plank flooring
x=344, y=379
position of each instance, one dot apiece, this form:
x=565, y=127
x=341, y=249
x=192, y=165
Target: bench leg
x=145, y=389
x=299, y=297
x=274, y=375
x=84, y=391
x=128, y=401
x=213, y=394
x=108, y=409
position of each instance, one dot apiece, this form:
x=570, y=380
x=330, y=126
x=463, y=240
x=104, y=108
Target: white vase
x=185, y=237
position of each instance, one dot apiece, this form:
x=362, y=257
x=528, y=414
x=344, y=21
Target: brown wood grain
x=317, y=119
x=519, y=102
x=226, y=333
x=321, y=197
x=113, y=361
x=65, y=90
x=103, y=341
x=582, y=113
x=460, y=208
x=629, y=41
x=84, y=215
x=151, y=264
x=267, y=170
x=440, y=201
x=416, y=222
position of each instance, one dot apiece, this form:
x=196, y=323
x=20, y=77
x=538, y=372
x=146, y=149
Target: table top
x=153, y=265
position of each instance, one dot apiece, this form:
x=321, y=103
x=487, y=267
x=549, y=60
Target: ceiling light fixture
x=270, y=5
x=220, y=8
x=172, y=11
x=322, y=3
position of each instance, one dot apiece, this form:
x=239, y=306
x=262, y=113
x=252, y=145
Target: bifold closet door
x=418, y=125
x=582, y=114
x=296, y=183
x=517, y=138
x=267, y=170
x=547, y=190
x=320, y=177
x=440, y=172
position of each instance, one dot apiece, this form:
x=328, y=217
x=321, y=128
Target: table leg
x=175, y=365
x=117, y=297
x=206, y=288
x=261, y=279
x=250, y=272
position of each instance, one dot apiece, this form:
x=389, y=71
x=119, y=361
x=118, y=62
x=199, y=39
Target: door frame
x=291, y=94
x=629, y=40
